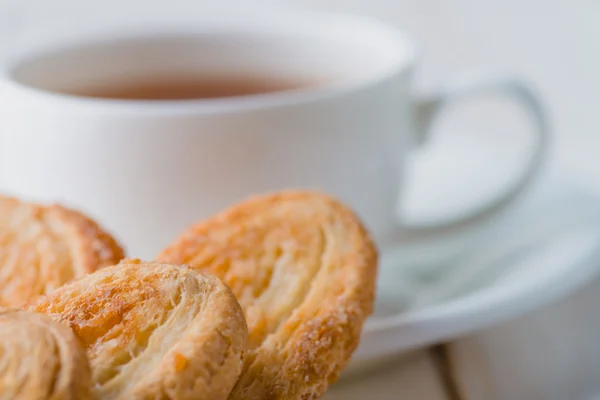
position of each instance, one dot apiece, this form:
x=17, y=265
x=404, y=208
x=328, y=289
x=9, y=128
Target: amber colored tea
x=187, y=88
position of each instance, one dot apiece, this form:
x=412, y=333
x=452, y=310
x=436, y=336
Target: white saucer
x=541, y=249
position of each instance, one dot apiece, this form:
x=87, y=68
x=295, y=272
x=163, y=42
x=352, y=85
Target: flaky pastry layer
x=154, y=331
x=303, y=268
x=41, y=359
x=42, y=247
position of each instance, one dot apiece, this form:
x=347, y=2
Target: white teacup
x=149, y=168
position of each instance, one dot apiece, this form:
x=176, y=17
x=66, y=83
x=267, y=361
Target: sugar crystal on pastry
x=154, y=331
x=42, y=247
x=303, y=268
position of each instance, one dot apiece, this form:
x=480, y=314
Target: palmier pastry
x=42, y=247
x=41, y=359
x=303, y=269
x=154, y=331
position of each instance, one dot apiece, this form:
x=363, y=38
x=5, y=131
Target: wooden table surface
x=550, y=354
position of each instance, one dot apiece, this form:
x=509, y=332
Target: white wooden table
x=550, y=354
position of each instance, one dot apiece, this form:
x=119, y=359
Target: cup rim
x=211, y=105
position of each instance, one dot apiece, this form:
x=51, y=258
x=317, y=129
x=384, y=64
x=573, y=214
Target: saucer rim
x=494, y=303
x=481, y=309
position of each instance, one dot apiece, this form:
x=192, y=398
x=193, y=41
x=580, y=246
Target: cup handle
x=428, y=107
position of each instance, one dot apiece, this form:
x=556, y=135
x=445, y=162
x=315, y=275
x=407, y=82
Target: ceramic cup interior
x=333, y=53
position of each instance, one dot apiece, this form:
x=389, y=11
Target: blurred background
x=552, y=44
x=555, y=44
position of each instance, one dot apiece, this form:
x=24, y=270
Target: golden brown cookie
x=42, y=247
x=303, y=268
x=154, y=331
x=41, y=359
